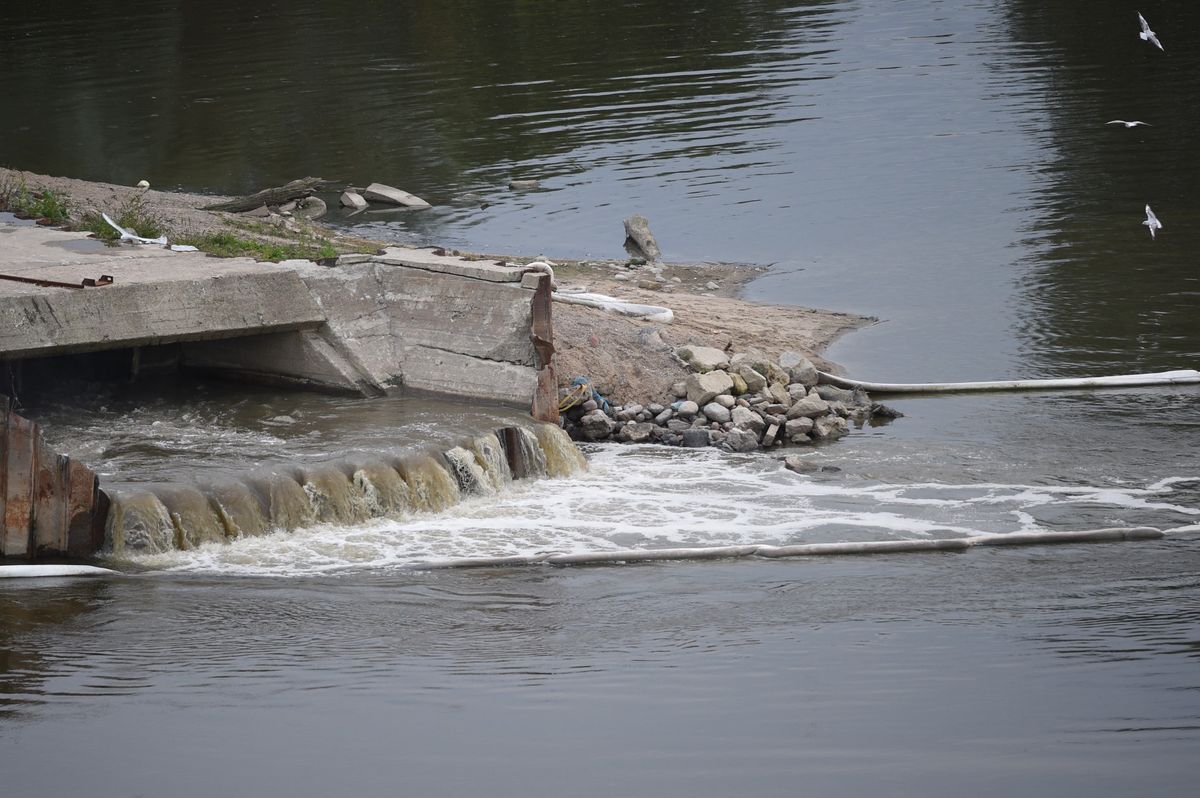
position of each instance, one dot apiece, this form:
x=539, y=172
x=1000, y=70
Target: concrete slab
x=157, y=296
x=449, y=264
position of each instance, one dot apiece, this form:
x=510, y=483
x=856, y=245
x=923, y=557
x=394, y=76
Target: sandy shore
x=630, y=360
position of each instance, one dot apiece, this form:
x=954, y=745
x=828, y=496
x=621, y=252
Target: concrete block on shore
x=378, y=192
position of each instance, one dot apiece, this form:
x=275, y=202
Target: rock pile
x=741, y=403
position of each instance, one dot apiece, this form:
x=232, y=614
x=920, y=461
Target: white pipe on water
x=1107, y=534
x=1178, y=377
x=36, y=571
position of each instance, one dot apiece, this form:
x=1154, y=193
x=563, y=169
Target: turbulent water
x=945, y=167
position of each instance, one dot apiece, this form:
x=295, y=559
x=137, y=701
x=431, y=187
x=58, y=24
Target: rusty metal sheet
x=18, y=487
x=49, y=492
x=83, y=535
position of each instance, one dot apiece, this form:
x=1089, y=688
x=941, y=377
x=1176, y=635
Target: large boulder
x=596, y=426
x=829, y=428
x=810, y=406
x=636, y=433
x=754, y=380
x=799, y=368
x=703, y=388
x=637, y=231
x=352, y=199
x=744, y=418
x=716, y=412
x=754, y=358
x=740, y=440
x=696, y=438
x=703, y=358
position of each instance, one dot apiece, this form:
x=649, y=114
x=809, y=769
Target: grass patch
x=229, y=245
x=18, y=198
x=133, y=215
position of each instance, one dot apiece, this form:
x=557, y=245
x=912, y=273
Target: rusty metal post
x=545, y=396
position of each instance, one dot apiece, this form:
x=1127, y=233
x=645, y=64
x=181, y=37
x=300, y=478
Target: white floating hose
x=542, y=267
x=35, y=571
x=1179, y=377
x=810, y=549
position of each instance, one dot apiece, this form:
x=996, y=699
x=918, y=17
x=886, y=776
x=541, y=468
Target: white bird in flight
x=1134, y=123
x=1152, y=221
x=1148, y=35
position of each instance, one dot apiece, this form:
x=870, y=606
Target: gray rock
x=768, y=438
x=590, y=405
x=260, y=212
x=696, y=438
x=832, y=393
x=885, y=412
x=712, y=286
x=797, y=426
x=654, y=408
x=686, y=409
x=740, y=440
x=311, y=208
x=799, y=368
x=810, y=406
x=636, y=433
x=725, y=400
x=637, y=230
x=797, y=390
x=662, y=418
x=716, y=412
x=754, y=380
x=679, y=389
x=378, y=192
x=596, y=426
x=703, y=358
x=775, y=409
x=748, y=419
x=702, y=388
x=799, y=439
x=352, y=199
x=830, y=428
x=779, y=393
x=754, y=358
x=839, y=409
x=678, y=425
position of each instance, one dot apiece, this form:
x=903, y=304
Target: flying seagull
x=1148, y=35
x=1152, y=221
x=1134, y=123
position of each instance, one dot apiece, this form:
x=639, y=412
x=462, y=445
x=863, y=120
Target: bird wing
x=1156, y=42
x=1116, y=122
x=1144, y=23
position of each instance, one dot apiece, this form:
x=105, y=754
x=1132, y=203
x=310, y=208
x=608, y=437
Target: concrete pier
x=404, y=317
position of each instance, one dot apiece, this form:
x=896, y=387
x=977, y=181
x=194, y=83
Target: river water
x=945, y=167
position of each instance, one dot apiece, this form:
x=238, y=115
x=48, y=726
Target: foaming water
x=655, y=497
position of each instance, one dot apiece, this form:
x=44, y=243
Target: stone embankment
x=740, y=403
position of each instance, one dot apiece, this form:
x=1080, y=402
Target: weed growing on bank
x=133, y=215
x=229, y=245
x=18, y=198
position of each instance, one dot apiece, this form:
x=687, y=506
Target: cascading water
x=158, y=518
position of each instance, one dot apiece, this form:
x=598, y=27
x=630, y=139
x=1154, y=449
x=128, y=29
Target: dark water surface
x=944, y=166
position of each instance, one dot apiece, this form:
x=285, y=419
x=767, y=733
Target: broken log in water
x=297, y=189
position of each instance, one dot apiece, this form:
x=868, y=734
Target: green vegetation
x=132, y=215
x=229, y=245
x=18, y=198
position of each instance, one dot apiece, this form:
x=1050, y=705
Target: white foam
x=653, y=497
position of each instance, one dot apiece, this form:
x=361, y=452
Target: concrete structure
x=405, y=317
